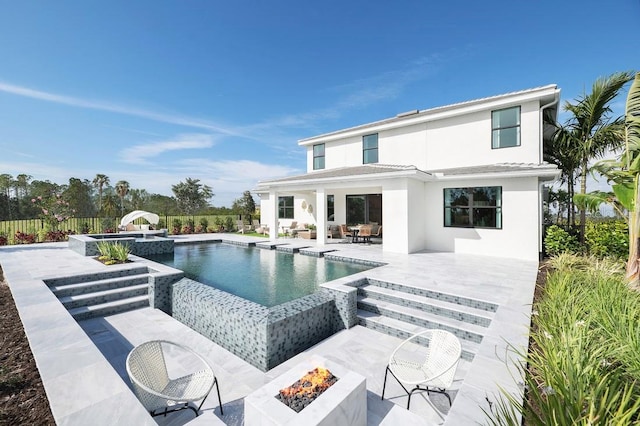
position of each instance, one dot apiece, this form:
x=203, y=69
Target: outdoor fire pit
x=315, y=392
x=305, y=390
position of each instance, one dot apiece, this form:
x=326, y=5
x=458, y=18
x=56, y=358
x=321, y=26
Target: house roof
x=546, y=94
x=383, y=171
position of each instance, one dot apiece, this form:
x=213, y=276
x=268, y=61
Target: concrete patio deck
x=82, y=365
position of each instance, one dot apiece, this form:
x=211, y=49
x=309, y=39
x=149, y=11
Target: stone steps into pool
x=99, y=285
x=103, y=293
x=402, y=311
x=99, y=297
x=109, y=308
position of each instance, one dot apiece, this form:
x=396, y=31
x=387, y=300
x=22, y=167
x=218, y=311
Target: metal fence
x=83, y=225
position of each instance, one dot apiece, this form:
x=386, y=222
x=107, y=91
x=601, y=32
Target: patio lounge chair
x=255, y=224
x=242, y=227
x=293, y=229
x=154, y=388
x=431, y=368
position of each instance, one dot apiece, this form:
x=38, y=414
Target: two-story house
x=464, y=178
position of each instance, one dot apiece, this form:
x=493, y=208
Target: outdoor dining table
x=354, y=233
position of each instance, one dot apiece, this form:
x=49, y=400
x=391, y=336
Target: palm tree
x=100, y=181
x=559, y=151
x=122, y=188
x=591, y=132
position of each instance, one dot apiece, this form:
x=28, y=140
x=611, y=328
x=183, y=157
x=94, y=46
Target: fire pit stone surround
x=343, y=403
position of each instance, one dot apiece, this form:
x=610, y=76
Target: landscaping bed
x=22, y=397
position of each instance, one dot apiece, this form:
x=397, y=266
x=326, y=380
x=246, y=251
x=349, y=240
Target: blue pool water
x=267, y=277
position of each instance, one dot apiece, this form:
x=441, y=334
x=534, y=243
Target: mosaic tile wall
x=160, y=290
x=264, y=337
x=87, y=245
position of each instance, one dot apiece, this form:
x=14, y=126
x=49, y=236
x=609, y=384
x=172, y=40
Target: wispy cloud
x=138, y=154
x=115, y=108
x=357, y=94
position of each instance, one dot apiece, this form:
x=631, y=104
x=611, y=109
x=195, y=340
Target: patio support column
x=321, y=216
x=273, y=217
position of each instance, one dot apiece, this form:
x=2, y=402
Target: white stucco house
x=464, y=178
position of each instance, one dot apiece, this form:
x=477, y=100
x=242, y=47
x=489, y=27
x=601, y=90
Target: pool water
x=267, y=277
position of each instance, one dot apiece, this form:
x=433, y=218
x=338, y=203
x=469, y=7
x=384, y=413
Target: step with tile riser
x=433, y=306
x=404, y=330
x=100, y=285
x=100, y=297
x=96, y=276
x=463, y=330
x=109, y=308
x=451, y=298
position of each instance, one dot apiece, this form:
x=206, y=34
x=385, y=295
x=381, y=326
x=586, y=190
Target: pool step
x=404, y=330
x=98, y=285
x=98, y=297
x=104, y=293
x=109, y=308
x=400, y=310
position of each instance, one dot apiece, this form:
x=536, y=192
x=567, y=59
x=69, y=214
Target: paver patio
x=82, y=364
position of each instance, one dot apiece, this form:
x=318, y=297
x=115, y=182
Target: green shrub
x=558, y=241
x=583, y=367
x=228, y=224
x=607, y=239
x=108, y=225
x=161, y=224
x=176, y=225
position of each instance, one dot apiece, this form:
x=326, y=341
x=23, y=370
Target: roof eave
x=549, y=92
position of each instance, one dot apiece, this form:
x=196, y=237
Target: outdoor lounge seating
x=427, y=361
x=344, y=232
x=147, y=370
x=242, y=228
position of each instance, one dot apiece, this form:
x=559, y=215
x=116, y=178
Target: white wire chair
x=147, y=370
x=428, y=368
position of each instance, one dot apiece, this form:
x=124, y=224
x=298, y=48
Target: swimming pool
x=266, y=277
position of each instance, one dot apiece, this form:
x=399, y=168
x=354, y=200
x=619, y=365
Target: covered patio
x=379, y=195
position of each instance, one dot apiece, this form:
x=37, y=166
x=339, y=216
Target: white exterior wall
x=518, y=237
x=458, y=141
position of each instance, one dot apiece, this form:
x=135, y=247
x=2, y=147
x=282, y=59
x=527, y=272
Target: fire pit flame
x=305, y=390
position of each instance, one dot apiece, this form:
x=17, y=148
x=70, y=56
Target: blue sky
x=153, y=92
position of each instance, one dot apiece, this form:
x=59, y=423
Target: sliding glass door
x=364, y=208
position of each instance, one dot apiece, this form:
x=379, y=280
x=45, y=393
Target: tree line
x=21, y=198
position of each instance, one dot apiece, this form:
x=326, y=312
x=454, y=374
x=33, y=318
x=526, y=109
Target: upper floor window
x=285, y=207
x=370, y=149
x=505, y=127
x=479, y=207
x=318, y=156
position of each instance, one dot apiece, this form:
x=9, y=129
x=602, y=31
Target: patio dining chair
x=365, y=233
x=160, y=394
x=427, y=361
x=344, y=232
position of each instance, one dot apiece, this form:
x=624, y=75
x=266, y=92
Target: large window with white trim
x=478, y=207
x=505, y=128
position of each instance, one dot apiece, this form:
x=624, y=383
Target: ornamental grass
x=583, y=364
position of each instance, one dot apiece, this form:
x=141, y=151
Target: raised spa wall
x=264, y=337
x=140, y=243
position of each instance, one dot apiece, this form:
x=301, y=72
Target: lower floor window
x=285, y=207
x=478, y=207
